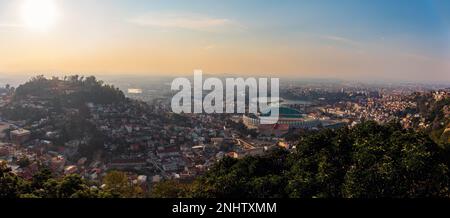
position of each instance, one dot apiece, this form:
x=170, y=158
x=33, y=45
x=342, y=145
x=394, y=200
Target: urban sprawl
x=152, y=144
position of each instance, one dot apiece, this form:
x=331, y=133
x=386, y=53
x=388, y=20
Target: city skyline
x=379, y=40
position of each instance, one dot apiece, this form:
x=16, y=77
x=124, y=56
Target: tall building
x=20, y=136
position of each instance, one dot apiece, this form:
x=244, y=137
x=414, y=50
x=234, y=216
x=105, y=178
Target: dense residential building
x=149, y=140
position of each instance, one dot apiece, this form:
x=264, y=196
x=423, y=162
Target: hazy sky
x=346, y=39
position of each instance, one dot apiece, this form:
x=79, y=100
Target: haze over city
x=224, y=107
x=349, y=39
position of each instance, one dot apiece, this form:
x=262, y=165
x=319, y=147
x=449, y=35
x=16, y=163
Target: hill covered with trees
x=56, y=94
x=62, y=104
x=75, y=89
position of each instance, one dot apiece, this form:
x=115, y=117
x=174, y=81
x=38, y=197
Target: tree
x=23, y=162
x=170, y=189
x=367, y=161
x=118, y=184
x=40, y=178
x=70, y=185
x=11, y=186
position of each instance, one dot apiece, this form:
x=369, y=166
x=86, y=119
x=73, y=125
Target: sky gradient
x=401, y=40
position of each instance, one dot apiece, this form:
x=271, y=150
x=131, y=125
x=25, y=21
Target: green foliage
x=170, y=189
x=23, y=162
x=44, y=185
x=22, y=113
x=230, y=178
x=37, y=86
x=70, y=92
x=74, y=90
x=367, y=161
x=11, y=186
x=118, y=185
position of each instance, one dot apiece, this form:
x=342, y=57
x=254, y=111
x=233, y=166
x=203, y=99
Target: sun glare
x=39, y=14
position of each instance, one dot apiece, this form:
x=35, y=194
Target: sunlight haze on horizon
x=399, y=40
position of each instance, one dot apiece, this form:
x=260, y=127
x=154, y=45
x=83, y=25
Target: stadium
x=289, y=118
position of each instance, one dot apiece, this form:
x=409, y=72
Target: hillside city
x=79, y=125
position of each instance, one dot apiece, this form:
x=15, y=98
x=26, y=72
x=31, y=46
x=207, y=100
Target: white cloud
x=183, y=21
x=342, y=40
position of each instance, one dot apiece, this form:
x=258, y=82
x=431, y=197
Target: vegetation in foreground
x=45, y=185
x=367, y=161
